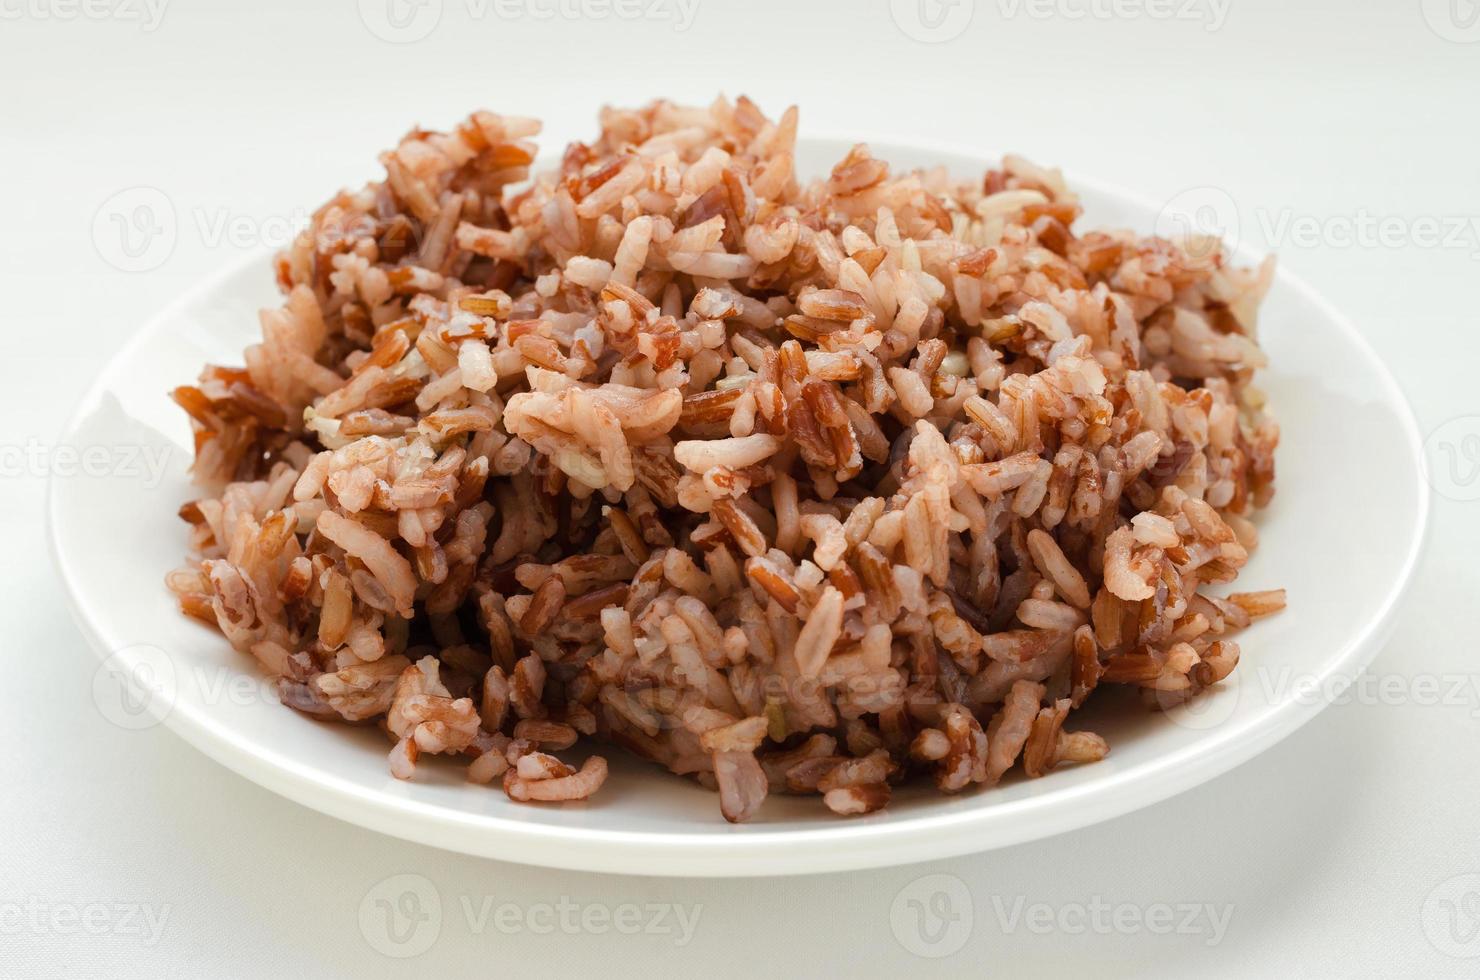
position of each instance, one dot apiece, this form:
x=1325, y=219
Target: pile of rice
x=790, y=486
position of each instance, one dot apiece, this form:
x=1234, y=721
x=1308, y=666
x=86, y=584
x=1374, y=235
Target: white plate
x=1342, y=535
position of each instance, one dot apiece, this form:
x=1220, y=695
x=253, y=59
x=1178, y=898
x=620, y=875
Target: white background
x=1333, y=853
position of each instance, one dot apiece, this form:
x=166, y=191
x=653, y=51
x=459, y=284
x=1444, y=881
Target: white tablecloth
x=1344, y=133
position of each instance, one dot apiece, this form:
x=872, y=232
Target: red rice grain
x=789, y=486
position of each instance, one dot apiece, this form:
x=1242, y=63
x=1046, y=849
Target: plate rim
x=847, y=845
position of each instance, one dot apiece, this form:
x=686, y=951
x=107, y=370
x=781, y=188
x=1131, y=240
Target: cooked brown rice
x=796, y=486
